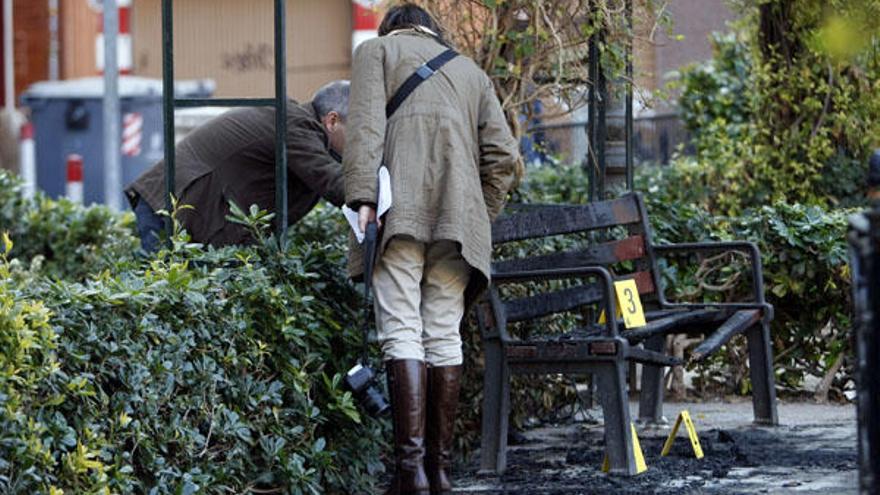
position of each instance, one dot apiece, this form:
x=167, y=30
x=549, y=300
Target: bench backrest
x=623, y=219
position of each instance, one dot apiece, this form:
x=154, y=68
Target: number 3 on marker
x=628, y=294
x=629, y=303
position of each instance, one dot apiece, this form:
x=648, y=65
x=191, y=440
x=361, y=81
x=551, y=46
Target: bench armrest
x=599, y=272
x=765, y=308
x=754, y=255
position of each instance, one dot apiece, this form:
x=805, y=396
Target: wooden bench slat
x=740, y=321
x=631, y=248
x=644, y=281
x=556, y=220
x=672, y=322
x=527, y=308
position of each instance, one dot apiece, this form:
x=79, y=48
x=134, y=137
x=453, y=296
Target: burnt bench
x=539, y=315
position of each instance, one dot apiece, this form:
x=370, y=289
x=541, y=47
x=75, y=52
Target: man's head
x=331, y=105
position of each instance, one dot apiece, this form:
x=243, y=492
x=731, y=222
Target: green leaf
x=7, y=243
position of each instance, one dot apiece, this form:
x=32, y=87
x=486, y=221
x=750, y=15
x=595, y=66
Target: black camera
x=362, y=382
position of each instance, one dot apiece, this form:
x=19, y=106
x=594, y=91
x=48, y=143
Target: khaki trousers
x=419, y=294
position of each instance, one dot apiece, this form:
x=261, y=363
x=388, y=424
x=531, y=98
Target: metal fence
x=279, y=102
x=657, y=137
x=655, y=140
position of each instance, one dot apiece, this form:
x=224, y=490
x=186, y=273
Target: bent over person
x=232, y=158
x=452, y=159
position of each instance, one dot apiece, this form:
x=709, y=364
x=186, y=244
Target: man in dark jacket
x=232, y=158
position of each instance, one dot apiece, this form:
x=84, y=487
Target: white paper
x=352, y=217
x=384, y=203
x=382, y=206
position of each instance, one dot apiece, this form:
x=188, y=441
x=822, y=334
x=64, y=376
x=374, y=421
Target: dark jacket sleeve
x=308, y=157
x=499, y=152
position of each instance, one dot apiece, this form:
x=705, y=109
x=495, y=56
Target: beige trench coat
x=448, y=147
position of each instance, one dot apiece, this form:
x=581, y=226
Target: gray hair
x=332, y=97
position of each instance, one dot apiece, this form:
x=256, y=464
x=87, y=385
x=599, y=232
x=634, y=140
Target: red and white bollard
x=28, y=156
x=365, y=21
x=123, y=41
x=74, y=188
x=132, y=133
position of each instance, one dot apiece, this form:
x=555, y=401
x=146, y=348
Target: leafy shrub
x=208, y=371
x=69, y=241
x=716, y=93
x=771, y=129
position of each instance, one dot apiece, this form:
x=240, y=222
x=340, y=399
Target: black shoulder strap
x=423, y=73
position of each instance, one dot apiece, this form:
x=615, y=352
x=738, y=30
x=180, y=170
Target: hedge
x=209, y=371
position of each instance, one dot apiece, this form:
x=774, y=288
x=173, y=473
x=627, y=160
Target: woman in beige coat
x=452, y=159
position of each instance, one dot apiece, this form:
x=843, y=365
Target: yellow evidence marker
x=628, y=304
x=641, y=467
x=685, y=417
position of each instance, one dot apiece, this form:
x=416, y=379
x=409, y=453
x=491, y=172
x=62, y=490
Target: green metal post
x=629, y=97
x=168, y=103
x=279, y=102
x=592, y=113
x=280, y=120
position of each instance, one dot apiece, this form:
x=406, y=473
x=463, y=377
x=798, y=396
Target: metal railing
x=657, y=137
x=654, y=140
x=170, y=102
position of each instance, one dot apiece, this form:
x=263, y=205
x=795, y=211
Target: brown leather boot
x=443, y=387
x=406, y=386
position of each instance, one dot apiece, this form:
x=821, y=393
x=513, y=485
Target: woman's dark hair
x=408, y=15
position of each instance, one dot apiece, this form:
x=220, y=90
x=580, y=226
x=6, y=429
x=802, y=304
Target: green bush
x=772, y=129
x=209, y=371
x=66, y=239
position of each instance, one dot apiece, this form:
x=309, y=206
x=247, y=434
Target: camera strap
x=370, y=240
x=422, y=74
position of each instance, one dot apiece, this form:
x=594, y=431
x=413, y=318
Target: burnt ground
x=812, y=452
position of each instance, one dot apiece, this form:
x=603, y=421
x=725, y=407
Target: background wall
x=231, y=41
x=79, y=26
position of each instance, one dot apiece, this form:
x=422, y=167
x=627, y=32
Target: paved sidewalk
x=812, y=452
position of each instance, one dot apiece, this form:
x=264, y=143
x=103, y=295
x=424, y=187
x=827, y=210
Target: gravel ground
x=812, y=452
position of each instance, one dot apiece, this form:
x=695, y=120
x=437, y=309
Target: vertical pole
x=168, y=103
x=601, y=121
x=280, y=119
x=112, y=136
x=54, y=46
x=871, y=468
x=864, y=248
x=869, y=338
x=8, y=55
x=629, y=96
x=592, y=114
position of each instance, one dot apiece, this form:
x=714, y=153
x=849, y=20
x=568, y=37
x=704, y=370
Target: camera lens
x=361, y=381
x=374, y=402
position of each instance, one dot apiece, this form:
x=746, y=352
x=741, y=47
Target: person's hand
x=367, y=214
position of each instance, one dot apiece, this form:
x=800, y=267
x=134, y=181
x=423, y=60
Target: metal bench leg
x=496, y=409
x=651, y=396
x=762, y=375
x=615, y=407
